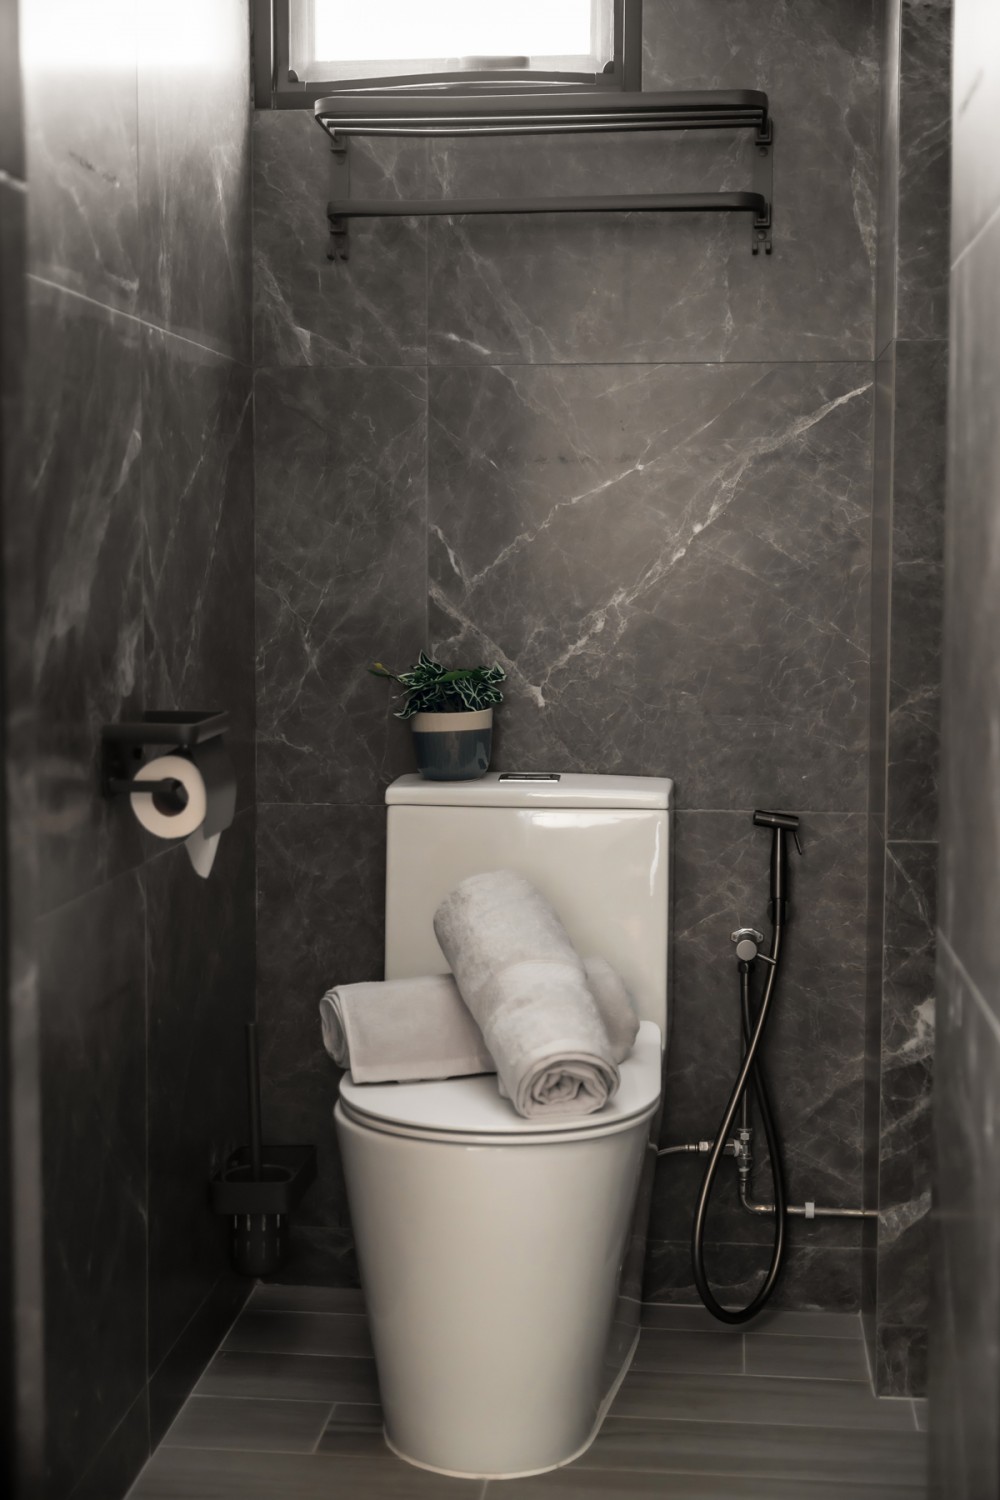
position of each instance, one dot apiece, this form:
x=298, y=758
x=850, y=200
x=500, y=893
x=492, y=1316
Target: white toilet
x=501, y=1258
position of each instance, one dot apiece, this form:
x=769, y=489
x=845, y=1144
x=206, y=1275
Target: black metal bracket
x=122, y=746
x=397, y=112
x=340, y=241
x=340, y=244
x=763, y=185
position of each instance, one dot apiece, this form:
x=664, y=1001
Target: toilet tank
x=597, y=846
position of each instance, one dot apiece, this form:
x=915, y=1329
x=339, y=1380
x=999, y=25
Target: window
x=305, y=48
x=340, y=39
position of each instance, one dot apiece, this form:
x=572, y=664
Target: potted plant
x=451, y=711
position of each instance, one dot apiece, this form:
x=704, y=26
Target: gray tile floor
x=288, y=1410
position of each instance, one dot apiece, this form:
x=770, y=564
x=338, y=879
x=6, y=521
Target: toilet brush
x=260, y=1185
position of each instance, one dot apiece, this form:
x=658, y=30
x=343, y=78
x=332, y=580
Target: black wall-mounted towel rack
x=380, y=111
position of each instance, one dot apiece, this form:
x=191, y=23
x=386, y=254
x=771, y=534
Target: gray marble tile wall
x=633, y=463
x=965, y=1334
x=137, y=594
x=907, y=540
x=20, y=1171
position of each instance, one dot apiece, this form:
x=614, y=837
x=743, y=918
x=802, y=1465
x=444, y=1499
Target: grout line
x=812, y=1338
x=820, y=1483
x=301, y=1312
x=250, y=1452
x=326, y=1422
x=136, y=871
x=271, y=366
x=838, y=1380
x=77, y=1484
x=868, y=1367
x=296, y=1353
x=286, y=1400
x=731, y=1418
x=190, y=1322
x=584, y=364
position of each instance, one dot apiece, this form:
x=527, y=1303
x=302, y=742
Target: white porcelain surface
x=605, y=870
x=495, y=1251
x=473, y=1107
x=571, y=790
x=491, y=1277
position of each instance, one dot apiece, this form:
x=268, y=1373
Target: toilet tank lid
x=534, y=788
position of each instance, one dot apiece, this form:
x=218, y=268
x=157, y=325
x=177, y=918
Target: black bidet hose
x=751, y=1076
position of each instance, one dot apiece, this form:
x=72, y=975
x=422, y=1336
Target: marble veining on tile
x=85, y=437
x=924, y=169
x=134, y=550
x=584, y=523
x=83, y=163
x=319, y=922
x=198, y=538
x=965, y=1369
x=340, y=534
x=907, y=1062
x=917, y=539
x=648, y=287
x=906, y=680
x=308, y=309
x=672, y=562
x=194, y=172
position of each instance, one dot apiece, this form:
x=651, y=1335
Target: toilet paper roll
x=154, y=813
x=202, y=849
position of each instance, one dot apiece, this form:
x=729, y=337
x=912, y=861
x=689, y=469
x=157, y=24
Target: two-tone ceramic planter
x=453, y=747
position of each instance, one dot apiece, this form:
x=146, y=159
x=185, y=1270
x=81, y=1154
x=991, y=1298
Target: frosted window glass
x=402, y=30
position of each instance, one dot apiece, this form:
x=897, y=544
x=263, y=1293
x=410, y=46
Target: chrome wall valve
x=748, y=941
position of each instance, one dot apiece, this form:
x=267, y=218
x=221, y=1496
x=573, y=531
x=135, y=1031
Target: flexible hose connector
x=751, y=1074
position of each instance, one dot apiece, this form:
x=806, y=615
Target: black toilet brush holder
x=260, y=1185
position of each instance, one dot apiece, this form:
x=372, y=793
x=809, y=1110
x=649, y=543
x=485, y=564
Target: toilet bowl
x=500, y=1256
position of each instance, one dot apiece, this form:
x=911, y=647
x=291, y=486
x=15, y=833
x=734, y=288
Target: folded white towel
x=402, y=1030
x=405, y=1030
x=524, y=983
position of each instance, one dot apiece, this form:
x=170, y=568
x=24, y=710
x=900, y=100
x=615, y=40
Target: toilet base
x=493, y=1276
x=563, y=1463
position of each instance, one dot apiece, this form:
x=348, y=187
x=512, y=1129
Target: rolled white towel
x=524, y=983
x=408, y=1030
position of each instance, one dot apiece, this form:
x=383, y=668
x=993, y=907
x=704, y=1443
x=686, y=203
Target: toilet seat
x=470, y=1111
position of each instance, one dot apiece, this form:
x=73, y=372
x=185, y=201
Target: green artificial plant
x=431, y=688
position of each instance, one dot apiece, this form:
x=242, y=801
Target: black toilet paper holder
x=123, y=746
